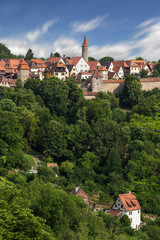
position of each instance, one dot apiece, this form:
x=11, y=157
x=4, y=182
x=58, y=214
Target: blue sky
x=121, y=29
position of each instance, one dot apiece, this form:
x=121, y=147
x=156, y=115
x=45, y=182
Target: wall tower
x=85, y=49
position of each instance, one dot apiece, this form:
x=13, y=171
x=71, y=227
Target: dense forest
x=107, y=146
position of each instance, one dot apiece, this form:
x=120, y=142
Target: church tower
x=85, y=49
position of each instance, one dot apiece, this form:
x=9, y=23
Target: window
x=56, y=74
x=138, y=211
x=62, y=74
x=130, y=219
x=130, y=213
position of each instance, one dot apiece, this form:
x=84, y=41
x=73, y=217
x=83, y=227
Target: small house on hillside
x=80, y=193
x=52, y=165
x=127, y=204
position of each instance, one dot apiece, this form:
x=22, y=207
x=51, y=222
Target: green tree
x=106, y=59
x=143, y=73
x=91, y=59
x=56, y=54
x=5, y=52
x=52, y=139
x=131, y=93
x=16, y=218
x=54, y=92
x=29, y=54
x=19, y=84
x=139, y=58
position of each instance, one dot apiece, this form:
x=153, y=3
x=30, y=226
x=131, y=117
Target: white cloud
x=146, y=23
x=34, y=35
x=148, y=46
x=85, y=26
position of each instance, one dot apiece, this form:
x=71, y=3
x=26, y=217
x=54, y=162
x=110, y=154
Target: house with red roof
x=40, y=64
x=80, y=193
x=127, y=204
x=80, y=64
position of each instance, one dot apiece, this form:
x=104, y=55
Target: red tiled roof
x=23, y=66
x=2, y=68
x=53, y=59
x=131, y=63
x=2, y=63
x=96, y=74
x=85, y=44
x=116, y=69
x=70, y=62
x=129, y=202
x=52, y=165
x=118, y=63
x=60, y=64
x=75, y=60
x=102, y=68
x=114, y=212
x=111, y=75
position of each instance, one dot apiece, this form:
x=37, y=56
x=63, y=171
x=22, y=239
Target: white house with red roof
x=80, y=64
x=127, y=204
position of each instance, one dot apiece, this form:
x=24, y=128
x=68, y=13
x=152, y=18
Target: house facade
x=127, y=204
x=80, y=64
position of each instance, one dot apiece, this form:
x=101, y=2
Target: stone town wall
x=115, y=86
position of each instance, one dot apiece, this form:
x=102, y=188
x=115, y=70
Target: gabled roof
x=70, y=62
x=102, y=68
x=23, y=66
x=75, y=60
x=2, y=63
x=93, y=64
x=33, y=65
x=40, y=63
x=118, y=63
x=111, y=75
x=116, y=69
x=61, y=64
x=129, y=202
x=85, y=44
x=53, y=59
x=114, y=212
x=131, y=63
x=96, y=74
x=80, y=193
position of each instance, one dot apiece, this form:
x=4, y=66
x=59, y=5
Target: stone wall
x=115, y=86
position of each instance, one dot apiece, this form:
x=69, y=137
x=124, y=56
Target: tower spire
x=85, y=41
x=85, y=49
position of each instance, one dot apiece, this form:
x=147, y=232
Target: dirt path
x=37, y=161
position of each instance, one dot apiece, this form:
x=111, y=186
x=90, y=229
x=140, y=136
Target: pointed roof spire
x=85, y=44
x=96, y=74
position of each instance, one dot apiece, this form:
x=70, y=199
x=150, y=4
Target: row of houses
x=77, y=67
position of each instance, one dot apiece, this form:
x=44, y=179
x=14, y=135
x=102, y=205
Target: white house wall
x=135, y=218
x=82, y=66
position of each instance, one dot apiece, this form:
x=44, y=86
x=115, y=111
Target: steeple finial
x=85, y=42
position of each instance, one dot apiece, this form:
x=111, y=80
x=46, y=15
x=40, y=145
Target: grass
x=30, y=159
x=31, y=151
